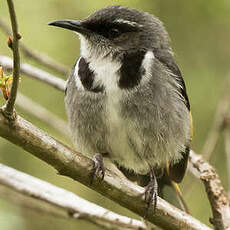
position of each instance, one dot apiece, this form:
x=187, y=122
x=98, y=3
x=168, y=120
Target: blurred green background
x=200, y=34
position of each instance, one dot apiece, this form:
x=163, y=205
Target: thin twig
x=227, y=153
x=34, y=72
x=40, y=57
x=73, y=164
x=216, y=129
x=216, y=194
x=42, y=113
x=16, y=66
x=71, y=205
x=219, y=122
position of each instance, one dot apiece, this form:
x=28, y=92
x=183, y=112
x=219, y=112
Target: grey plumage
x=143, y=121
x=153, y=117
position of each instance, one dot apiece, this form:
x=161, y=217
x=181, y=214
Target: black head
x=115, y=30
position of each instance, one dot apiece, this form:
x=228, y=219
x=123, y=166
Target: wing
x=176, y=171
x=70, y=77
x=172, y=66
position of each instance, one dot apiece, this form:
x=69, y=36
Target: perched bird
x=126, y=98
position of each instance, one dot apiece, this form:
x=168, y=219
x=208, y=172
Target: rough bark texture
x=217, y=196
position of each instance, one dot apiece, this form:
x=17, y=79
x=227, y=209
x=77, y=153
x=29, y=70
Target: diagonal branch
x=42, y=113
x=35, y=73
x=219, y=122
x=16, y=67
x=216, y=194
x=37, y=56
x=59, y=199
x=73, y=164
x=227, y=152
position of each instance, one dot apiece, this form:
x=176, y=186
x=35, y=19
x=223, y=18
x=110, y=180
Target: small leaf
x=1, y=72
x=5, y=82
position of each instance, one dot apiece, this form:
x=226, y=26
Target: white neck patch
x=147, y=65
x=76, y=77
x=106, y=73
x=106, y=69
x=85, y=47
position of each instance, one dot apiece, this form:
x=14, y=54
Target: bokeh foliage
x=200, y=34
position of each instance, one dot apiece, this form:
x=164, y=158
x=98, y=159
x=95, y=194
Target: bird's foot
x=98, y=169
x=151, y=191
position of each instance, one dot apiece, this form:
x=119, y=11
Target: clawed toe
x=99, y=169
x=151, y=192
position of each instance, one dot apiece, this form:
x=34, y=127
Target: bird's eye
x=114, y=33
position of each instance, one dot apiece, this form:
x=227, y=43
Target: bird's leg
x=98, y=169
x=151, y=190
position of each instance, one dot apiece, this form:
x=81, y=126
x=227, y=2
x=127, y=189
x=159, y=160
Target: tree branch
x=35, y=73
x=16, y=67
x=70, y=204
x=73, y=164
x=41, y=58
x=217, y=196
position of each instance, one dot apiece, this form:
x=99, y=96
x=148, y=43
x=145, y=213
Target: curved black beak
x=73, y=25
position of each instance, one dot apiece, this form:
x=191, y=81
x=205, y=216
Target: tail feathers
x=177, y=171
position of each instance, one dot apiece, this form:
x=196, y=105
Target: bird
x=126, y=99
